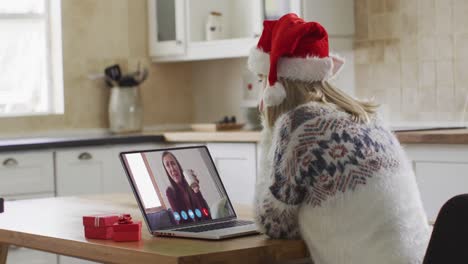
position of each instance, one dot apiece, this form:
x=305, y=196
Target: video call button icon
x=198, y=213
x=205, y=211
x=191, y=214
x=184, y=215
x=176, y=216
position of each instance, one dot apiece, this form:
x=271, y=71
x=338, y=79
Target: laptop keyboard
x=204, y=228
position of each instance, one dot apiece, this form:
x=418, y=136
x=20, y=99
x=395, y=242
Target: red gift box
x=99, y=226
x=127, y=230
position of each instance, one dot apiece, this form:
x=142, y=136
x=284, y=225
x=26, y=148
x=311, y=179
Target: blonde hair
x=299, y=92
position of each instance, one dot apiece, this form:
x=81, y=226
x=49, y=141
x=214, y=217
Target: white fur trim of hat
x=310, y=69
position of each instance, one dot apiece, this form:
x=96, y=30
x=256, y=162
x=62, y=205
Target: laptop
x=180, y=194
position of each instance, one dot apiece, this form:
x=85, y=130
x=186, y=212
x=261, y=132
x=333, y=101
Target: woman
x=182, y=198
x=331, y=171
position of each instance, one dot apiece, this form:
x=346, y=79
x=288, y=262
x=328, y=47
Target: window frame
x=52, y=18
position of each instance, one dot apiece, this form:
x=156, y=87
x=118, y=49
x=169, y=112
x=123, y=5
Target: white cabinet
x=93, y=170
x=80, y=171
x=237, y=166
x=167, y=29
x=441, y=172
x=177, y=27
x=26, y=173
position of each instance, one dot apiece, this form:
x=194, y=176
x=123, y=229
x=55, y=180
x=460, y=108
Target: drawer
x=80, y=171
x=26, y=173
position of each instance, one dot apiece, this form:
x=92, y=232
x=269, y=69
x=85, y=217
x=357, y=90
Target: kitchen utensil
x=142, y=75
x=113, y=72
x=128, y=81
x=134, y=78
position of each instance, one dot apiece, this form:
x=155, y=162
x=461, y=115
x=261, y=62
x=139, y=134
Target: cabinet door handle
x=179, y=42
x=10, y=162
x=85, y=156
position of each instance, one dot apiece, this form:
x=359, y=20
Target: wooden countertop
x=450, y=136
x=222, y=136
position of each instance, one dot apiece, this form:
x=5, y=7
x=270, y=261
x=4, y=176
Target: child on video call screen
x=178, y=186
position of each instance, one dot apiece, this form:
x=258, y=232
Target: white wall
x=217, y=89
x=346, y=79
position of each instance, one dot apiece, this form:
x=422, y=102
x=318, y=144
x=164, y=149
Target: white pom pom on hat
x=293, y=49
x=274, y=95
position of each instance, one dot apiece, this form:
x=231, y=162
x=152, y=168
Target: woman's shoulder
x=319, y=121
x=308, y=113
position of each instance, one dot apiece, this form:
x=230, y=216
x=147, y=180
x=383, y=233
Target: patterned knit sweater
x=344, y=187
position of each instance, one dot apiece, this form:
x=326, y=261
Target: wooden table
x=55, y=225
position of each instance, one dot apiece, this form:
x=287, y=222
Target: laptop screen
x=177, y=187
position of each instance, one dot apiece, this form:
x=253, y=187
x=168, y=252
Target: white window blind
x=31, y=79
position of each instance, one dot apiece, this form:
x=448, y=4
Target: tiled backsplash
x=412, y=57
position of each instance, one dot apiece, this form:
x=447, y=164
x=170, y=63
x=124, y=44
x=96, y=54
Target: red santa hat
x=293, y=49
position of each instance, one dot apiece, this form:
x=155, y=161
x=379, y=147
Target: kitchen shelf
x=216, y=49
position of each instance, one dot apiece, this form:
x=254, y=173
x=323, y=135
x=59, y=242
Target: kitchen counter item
x=214, y=26
x=216, y=127
x=125, y=110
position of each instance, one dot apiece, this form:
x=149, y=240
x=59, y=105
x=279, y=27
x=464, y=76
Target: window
x=31, y=80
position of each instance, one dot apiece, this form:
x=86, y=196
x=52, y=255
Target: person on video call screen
x=184, y=194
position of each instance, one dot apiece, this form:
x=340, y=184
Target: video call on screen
x=177, y=187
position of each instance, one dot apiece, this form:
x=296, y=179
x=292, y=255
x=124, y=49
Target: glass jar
x=125, y=110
